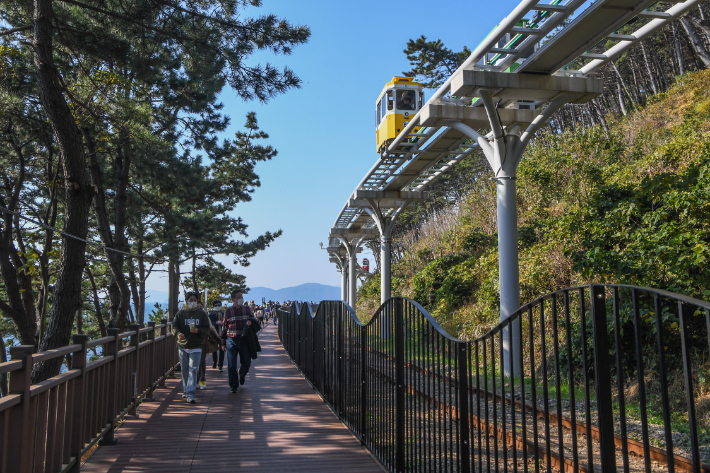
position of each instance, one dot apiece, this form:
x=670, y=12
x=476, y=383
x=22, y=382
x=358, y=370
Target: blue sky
x=324, y=132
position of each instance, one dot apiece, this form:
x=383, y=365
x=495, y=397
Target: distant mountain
x=305, y=292
x=152, y=296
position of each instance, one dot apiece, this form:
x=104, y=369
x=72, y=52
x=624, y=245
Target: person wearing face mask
x=190, y=326
x=236, y=318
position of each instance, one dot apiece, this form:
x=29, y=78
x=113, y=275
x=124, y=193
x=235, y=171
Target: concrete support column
x=343, y=283
x=352, y=275
x=508, y=268
x=385, y=267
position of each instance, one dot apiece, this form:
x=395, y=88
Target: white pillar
x=343, y=282
x=352, y=277
x=385, y=269
x=508, y=269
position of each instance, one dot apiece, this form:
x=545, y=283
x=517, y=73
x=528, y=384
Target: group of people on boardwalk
x=232, y=332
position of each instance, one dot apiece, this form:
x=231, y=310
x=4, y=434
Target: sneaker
x=184, y=396
x=241, y=379
x=220, y=369
x=234, y=389
x=202, y=385
x=214, y=366
x=191, y=400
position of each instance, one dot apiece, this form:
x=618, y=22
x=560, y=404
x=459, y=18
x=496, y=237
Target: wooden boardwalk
x=275, y=422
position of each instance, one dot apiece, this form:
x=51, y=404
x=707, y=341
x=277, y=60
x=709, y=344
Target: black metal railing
x=595, y=378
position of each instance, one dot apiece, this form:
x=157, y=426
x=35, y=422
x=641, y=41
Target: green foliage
x=157, y=314
x=219, y=280
x=432, y=62
x=657, y=235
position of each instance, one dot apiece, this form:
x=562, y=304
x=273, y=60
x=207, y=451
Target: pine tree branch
x=15, y=30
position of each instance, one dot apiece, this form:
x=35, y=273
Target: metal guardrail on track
x=602, y=378
x=49, y=426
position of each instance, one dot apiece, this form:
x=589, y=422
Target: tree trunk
x=600, y=114
x=637, y=88
x=97, y=303
x=134, y=293
x=621, y=98
x=194, y=273
x=3, y=359
x=695, y=41
x=141, y=279
x=651, y=75
x=703, y=23
x=79, y=321
x=119, y=293
x=678, y=49
x=51, y=219
x=78, y=193
x=622, y=87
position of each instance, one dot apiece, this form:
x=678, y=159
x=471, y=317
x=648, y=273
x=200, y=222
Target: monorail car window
x=421, y=99
x=390, y=100
x=379, y=110
x=384, y=108
x=406, y=100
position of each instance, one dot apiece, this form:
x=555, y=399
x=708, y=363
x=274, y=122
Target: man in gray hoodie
x=190, y=327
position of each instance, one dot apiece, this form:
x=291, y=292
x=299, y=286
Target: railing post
x=399, y=367
x=462, y=408
x=602, y=373
x=363, y=383
x=76, y=443
x=135, y=341
x=150, y=363
x=165, y=355
x=341, y=363
x=169, y=351
x=21, y=441
x=110, y=414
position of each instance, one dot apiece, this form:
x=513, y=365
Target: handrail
x=56, y=421
x=53, y=382
x=56, y=353
x=11, y=365
x=99, y=341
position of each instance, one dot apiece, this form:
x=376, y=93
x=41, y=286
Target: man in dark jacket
x=190, y=326
x=236, y=318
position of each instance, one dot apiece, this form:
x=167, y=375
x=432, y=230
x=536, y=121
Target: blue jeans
x=189, y=363
x=234, y=350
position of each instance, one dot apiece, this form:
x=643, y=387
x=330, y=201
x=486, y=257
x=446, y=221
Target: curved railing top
x=504, y=323
x=530, y=305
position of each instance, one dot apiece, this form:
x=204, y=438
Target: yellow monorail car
x=399, y=101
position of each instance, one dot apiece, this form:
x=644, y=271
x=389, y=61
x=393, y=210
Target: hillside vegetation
x=631, y=205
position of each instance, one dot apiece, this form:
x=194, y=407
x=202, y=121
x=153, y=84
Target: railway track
x=570, y=427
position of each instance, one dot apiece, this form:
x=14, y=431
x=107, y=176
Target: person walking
x=215, y=317
x=202, y=370
x=190, y=327
x=260, y=315
x=236, y=318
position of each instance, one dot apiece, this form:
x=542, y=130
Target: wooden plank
x=276, y=422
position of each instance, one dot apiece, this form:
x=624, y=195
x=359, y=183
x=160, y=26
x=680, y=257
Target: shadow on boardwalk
x=274, y=423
